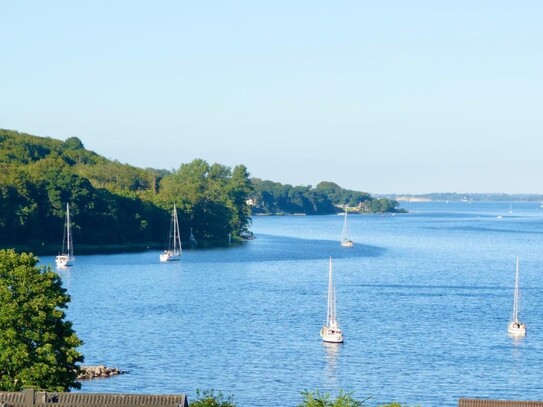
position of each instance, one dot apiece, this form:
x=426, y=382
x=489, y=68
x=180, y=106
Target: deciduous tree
x=38, y=347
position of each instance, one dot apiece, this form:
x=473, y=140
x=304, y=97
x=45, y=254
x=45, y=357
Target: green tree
x=37, y=345
x=73, y=143
x=239, y=189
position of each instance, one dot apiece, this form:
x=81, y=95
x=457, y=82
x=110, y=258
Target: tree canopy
x=111, y=203
x=270, y=197
x=38, y=347
x=119, y=205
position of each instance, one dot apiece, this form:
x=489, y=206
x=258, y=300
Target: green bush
x=208, y=398
x=317, y=399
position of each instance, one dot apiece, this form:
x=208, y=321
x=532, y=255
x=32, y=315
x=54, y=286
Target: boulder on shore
x=93, y=372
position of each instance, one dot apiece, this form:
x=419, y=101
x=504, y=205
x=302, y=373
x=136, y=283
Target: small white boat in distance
x=173, y=250
x=345, y=241
x=331, y=331
x=515, y=327
x=66, y=256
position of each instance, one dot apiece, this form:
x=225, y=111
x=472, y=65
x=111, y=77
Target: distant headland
x=463, y=197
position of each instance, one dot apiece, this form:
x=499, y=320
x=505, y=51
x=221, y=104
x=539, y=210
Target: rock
x=92, y=372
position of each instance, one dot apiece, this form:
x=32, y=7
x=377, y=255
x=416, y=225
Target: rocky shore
x=94, y=372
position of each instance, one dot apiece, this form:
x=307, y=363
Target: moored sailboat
x=345, y=241
x=173, y=250
x=331, y=332
x=66, y=256
x=516, y=327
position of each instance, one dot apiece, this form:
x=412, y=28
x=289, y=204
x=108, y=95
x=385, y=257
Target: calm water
x=423, y=298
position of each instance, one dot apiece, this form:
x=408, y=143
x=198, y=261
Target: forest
x=270, y=197
x=116, y=206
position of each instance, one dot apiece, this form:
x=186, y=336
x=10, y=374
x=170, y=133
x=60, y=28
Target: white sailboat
x=66, y=256
x=173, y=250
x=516, y=327
x=345, y=241
x=331, y=331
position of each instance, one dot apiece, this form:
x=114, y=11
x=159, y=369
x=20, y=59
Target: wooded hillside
x=111, y=203
x=118, y=206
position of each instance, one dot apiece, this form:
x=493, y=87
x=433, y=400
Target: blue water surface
x=424, y=299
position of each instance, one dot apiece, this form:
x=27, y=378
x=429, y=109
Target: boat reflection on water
x=331, y=357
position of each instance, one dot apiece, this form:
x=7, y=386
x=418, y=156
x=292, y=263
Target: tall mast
x=516, y=300
x=68, y=235
x=345, y=227
x=331, y=317
x=176, y=231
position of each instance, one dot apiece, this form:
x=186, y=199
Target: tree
x=37, y=345
x=73, y=143
x=239, y=189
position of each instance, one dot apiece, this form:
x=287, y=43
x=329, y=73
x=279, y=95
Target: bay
x=424, y=299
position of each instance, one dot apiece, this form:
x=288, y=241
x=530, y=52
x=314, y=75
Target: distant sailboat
x=331, y=332
x=66, y=256
x=345, y=241
x=516, y=327
x=173, y=250
x=193, y=239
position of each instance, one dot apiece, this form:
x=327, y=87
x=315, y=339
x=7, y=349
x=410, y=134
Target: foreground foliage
x=318, y=399
x=208, y=398
x=37, y=345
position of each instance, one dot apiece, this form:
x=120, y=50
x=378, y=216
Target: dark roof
x=498, y=403
x=31, y=398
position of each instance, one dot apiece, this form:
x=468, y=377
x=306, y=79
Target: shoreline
x=53, y=250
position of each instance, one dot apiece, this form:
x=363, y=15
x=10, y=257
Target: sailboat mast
x=516, y=299
x=331, y=317
x=176, y=232
x=68, y=235
x=345, y=227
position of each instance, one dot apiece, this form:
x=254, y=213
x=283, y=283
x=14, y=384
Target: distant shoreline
x=463, y=197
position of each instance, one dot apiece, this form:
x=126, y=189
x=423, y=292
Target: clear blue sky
x=380, y=96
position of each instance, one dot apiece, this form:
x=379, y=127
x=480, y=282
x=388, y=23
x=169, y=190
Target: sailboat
x=173, y=250
x=331, y=332
x=516, y=327
x=66, y=256
x=345, y=241
x=192, y=239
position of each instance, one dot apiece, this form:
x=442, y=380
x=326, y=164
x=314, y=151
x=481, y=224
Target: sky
x=388, y=96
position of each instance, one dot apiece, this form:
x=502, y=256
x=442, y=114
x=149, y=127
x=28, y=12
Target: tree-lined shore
x=119, y=207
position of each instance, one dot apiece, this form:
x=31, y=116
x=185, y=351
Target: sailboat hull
x=331, y=335
x=169, y=256
x=517, y=328
x=64, y=260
